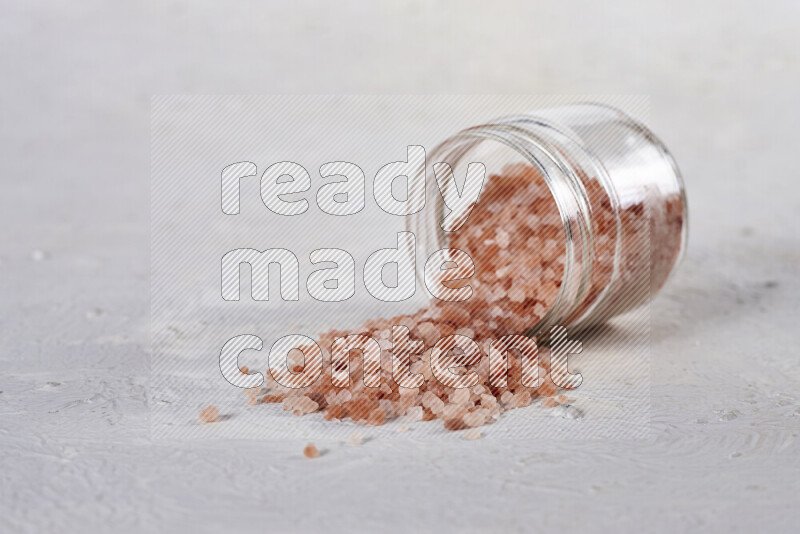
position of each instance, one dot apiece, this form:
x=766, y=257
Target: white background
x=75, y=84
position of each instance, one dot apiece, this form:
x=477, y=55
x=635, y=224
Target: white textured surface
x=76, y=456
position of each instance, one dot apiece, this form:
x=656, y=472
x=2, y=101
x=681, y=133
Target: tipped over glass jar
x=582, y=217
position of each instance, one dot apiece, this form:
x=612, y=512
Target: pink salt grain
x=355, y=439
x=474, y=419
x=502, y=238
x=453, y=411
x=311, y=451
x=521, y=399
x=414, y=414
x=209, y=414
x=488, y=401
x=453, y=424
x=459, y=396
x=472, y=434
x=515, y=294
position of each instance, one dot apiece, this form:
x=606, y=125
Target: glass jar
x=617, y=192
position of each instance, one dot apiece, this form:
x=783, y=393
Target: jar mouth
x=567, y=194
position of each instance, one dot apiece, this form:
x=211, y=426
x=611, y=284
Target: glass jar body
x=617, y=192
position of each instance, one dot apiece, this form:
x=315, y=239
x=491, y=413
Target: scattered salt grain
x=311, y=451
x=355, y=439
x=472, y=433
x=209, y=414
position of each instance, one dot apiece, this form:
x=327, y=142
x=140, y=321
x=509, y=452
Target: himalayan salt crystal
x=453, y=424
x=562, y=399
x=355, y=439
x=408, y=322
x=209, y=414
x=431, y=401
x=405, y=402
x=244, y=370
x=502, y=272
x=551, y=219
x=334, y=412
x=547, y=389
x=521, y=399
x=330, y=398
x=402, y=429
x=427, y=398
x=497, y=293
x=460, y=396
x=515, y=294
x=361, y=408
x=472, y=434
x=376, y=417
x=430, y=334
x=414, y=414
x=484, y=412
x=453, y=411
x=311, y=451
x=304, y=405
x=506, y=397
x=295, y=359
x=502, y=238
x=453, y=314
x=473, y=419
x=432, y=313
x=549, y=402
x=466, y=332
x=488, y=401
x=549, y=274
x=437, y=405
x=549, y=290
x=343, y=396
x=388, y=407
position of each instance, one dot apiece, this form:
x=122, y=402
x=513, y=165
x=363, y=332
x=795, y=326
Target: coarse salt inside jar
x=582, y=216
